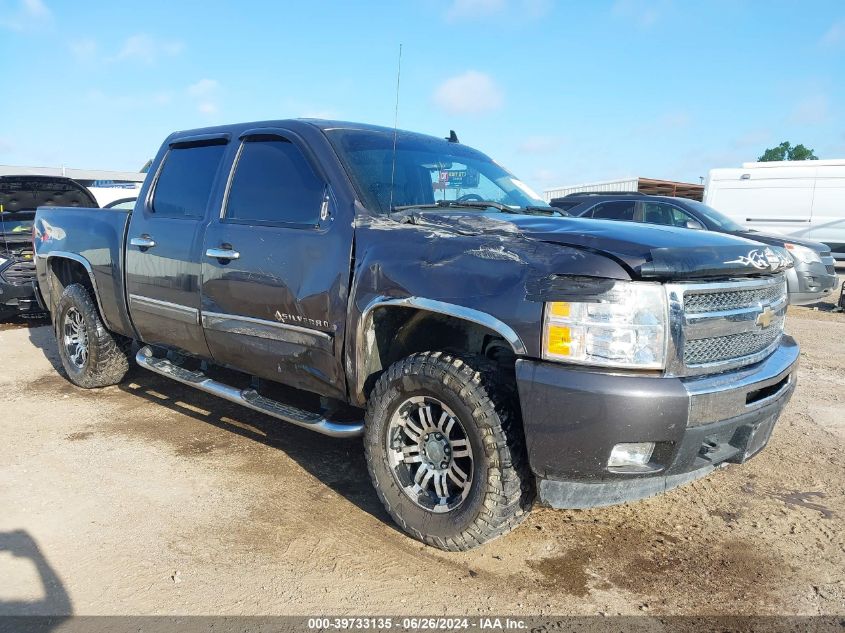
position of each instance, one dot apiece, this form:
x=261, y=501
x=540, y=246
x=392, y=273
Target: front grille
x=19, y=273
x=725, y=325
x=725, y=348
x=703, y=301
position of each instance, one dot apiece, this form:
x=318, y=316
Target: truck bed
x=93, y=238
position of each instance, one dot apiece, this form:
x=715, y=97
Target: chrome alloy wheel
x=75, y=338
x=429, y=454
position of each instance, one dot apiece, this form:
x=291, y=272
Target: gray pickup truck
x=407, y=288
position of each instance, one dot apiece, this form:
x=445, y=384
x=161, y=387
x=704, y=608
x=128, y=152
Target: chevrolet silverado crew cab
x=357, y=280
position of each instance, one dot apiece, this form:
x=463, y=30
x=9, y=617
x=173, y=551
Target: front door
x=164, y=247
x=275, y=268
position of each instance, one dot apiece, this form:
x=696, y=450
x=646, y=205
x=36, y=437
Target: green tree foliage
x=785, y=151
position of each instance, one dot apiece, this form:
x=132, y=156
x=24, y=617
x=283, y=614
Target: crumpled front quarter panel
x=490, y=267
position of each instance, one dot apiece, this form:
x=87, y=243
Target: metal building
x=650, y=186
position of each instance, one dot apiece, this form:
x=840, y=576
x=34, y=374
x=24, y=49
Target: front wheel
x=91, y=355
x=445, y=451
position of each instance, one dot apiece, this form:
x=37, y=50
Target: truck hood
x=646, y=251
x=27, y=193
x=773, y=239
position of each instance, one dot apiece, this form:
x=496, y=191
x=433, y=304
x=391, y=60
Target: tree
x=785, y=151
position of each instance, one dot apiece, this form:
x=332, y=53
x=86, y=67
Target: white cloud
x=812, y=110
x=206, y=94
x=84, y=49
x=472, y=92
x=36, y=9
x=539, y=145
x=207, y=107
x=203, y=87
x=147, y=49
x=834, y=36
x=29, y=14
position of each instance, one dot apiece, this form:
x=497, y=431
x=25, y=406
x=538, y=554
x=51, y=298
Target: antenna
x=395, y=125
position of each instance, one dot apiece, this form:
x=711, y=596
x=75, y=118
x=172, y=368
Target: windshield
x=426, y=170
x=714, y=217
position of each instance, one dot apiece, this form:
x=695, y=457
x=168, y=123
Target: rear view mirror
x=692, y=224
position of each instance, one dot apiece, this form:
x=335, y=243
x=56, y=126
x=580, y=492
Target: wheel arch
x=387, y=325
x=64, y=269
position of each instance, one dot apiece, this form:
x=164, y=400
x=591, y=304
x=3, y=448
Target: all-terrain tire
x=502, y=487
x=107, y=359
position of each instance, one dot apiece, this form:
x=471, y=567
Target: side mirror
x=692, y=224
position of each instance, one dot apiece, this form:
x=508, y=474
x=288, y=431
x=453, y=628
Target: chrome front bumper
x=722, y=396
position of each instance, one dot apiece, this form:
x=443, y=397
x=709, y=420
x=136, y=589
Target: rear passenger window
x=184, y=183
x=274, y=183
x=616, y=210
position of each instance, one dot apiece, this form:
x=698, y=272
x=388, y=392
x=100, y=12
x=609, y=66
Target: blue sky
x=559, y=92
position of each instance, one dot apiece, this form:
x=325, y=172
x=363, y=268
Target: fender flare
x=428, y=305
x=87, y=266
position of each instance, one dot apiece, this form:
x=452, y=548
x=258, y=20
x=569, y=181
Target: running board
x=247, y=397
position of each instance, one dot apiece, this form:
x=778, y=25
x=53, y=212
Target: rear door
x=164, y=246
x=275, y=267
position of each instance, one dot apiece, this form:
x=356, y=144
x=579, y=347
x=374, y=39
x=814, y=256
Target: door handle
x=145, y=241
x=222, y=253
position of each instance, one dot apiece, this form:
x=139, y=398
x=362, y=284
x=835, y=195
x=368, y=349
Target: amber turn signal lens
x=558, y=341
x=559, y=309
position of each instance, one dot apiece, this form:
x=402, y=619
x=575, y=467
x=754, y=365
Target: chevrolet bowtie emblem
x=765, y=318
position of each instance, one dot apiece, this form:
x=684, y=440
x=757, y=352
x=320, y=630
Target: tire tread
x=510, y=485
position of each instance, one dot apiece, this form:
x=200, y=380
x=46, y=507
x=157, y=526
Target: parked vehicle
x=798, y=199
x=19, y=197
x=811, y=279
x=414, y=292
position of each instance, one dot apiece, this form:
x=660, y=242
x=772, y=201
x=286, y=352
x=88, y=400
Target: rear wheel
x=445, y=453
x=91, y=355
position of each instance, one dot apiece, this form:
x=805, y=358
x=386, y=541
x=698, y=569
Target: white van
x=804, y=198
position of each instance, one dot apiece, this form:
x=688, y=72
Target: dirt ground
x=152, y=498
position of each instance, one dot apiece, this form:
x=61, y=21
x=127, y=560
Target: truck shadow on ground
x=337, y=463
x=41, y=336
x=17, y=547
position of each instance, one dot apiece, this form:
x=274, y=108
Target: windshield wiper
x=477, y=204
x=457, y=204
x=545, y=210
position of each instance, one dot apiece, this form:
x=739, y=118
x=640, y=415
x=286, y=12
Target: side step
x=247, y=397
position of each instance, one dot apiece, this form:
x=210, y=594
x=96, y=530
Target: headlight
x=624, y=327
x=803, y=254
x=3, y=261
